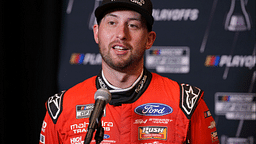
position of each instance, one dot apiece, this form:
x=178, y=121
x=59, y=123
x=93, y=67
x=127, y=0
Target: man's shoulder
x=66, y=99
x=189, y=96
x=80, y=92
x=164, y=80
x=158, y=77
x=182, y=86
x=54, y=105
x=83, y=86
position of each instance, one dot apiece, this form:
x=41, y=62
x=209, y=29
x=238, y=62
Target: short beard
x=132, y=61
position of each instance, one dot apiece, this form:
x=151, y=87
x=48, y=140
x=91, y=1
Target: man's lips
x=119, y=47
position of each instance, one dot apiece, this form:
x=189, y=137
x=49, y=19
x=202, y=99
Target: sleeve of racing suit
x=48, y=133
x=202, y=126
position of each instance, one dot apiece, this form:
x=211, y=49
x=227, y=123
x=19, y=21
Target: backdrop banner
x=209, y=44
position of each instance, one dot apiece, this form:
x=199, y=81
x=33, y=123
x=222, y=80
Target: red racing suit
x=165, y=113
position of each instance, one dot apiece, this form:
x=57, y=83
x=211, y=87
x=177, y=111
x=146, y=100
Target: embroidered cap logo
x=139, y=2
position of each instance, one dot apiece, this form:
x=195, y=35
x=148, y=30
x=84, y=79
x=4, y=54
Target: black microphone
x=102, y=97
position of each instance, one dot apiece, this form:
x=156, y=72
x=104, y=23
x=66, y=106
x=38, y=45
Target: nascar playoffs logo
x=230, y=61
x=85, y=59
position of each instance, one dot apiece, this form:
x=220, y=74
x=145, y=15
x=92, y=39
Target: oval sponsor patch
x=153, y=109
x=106, y=136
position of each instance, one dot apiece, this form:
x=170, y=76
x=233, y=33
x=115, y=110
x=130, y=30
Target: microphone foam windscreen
x=103, y=94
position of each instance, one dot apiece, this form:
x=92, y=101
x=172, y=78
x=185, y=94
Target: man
x=145, y=107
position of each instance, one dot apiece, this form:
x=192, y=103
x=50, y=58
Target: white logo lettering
x=82, y=127
x=102, y=84
x=160, y=121
x=149, y=130
x=44, y=126
x=77, y=140
x=238, y=61
x=140, y=121
x=175, y=14
x=92, y=59
x=141, y=84
x=150, y=109
x=139, y=2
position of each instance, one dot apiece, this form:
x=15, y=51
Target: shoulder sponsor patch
x=42, y=139
x=214, y=136
x=207, y=114
x=153, y=109
x=189, y=98
x=212, y=125
x=54, y=106
x=84, y=111
x=153, y=132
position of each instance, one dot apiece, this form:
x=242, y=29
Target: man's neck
x=122, y=79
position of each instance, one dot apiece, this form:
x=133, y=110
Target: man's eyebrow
x=137, y=19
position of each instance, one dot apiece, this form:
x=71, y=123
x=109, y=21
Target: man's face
x=123, y=38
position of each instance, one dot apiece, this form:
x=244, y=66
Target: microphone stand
x=95, y=125
x=99, y=134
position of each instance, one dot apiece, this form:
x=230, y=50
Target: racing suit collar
x=129, y=95
x=116, y=89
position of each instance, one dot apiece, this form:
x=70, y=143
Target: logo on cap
x=139, y=2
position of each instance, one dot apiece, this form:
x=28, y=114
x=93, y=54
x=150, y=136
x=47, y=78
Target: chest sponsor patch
x=152, y=132
x=84, y=111
x=153, y=109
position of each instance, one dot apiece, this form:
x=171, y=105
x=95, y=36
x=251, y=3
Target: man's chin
x=120, y=66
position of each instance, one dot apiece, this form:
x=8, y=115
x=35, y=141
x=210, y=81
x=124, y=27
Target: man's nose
x=122, y=32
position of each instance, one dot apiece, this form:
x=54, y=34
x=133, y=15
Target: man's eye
x=133, y=26
x=111, y=23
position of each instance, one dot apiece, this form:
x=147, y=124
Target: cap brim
x=101, y=10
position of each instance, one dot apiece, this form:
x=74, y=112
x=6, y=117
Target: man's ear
x=96, y=33
x=151, y=39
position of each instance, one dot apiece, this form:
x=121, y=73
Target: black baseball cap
x=144, y=7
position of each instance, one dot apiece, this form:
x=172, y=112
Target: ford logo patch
x=106, y=136
x=153, y=109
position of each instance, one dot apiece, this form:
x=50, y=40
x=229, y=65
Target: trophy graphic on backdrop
x=237, y=18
